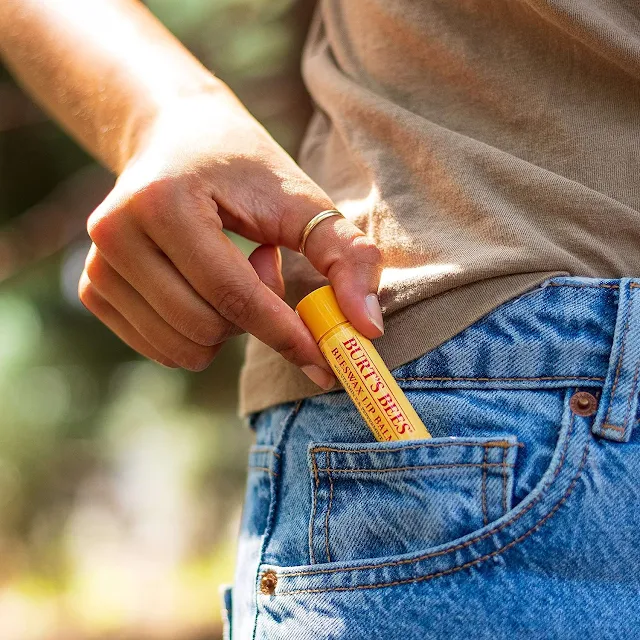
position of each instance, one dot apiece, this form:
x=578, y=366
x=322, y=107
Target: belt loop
x=619, y=400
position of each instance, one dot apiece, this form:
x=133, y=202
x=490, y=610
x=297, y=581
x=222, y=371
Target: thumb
x=266, y=261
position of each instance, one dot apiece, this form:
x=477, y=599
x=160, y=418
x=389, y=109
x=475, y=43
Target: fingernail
x=318, y=375
x=374, y=311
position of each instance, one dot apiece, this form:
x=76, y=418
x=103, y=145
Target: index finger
x=216, y=268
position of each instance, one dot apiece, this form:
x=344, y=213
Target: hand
x=166, y=279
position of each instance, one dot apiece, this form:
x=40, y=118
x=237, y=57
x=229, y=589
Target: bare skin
x=190, y=161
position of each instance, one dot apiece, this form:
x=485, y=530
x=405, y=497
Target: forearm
x=102, y=68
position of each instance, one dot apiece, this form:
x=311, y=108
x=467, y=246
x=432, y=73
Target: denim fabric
x=519, y=519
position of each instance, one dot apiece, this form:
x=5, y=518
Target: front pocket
x=389, y=498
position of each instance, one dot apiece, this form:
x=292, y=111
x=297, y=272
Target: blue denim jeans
x=519, y=519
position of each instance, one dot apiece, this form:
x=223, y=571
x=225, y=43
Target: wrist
x=143, y=116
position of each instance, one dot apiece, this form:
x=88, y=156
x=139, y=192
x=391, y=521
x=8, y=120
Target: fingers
x=148, y=270
x=219, y=272
x=266, y=261
x=106, y=293
x=335, y=247
x=95, y=303
x=283, y=200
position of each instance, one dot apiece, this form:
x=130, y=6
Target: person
x=484, y=156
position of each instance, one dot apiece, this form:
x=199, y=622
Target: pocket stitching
x=484, y=486
x=454, y=569
x=262, y=458
x=630, y=398
x=498, y=379
x=504, y=481
x=619, y=367
x=503, y=444
x=462, y=545
x=265, y=469
x=450, y=465
x=258, y=449
x=326, y=520
x=316, y=486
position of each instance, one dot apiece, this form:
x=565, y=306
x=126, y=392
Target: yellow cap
x=320, y=311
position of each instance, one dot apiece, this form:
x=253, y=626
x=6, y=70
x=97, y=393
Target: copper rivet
x=583, y=403
x=268, y=583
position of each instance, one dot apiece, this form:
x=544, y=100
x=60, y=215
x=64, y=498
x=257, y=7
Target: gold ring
x=317, y=219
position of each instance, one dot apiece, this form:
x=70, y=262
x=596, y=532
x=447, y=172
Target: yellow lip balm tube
x=360, y=369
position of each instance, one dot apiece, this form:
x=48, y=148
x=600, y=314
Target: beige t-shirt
x=484, y=144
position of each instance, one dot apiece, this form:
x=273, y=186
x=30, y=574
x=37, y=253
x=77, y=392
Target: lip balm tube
x=360, y=369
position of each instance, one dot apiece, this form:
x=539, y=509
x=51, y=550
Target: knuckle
x=210, y=333
x=179, y=318
x=88, y=295
x=204, y=215
x=365, y=250
x=97, y=270
x=153, y=193
x=203, y=329
x=155, y=203
x=233, y=301
x=104, y=229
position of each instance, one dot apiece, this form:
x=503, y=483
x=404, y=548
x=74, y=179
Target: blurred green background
x=120, y=481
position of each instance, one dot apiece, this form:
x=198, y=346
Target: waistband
x=569, y=331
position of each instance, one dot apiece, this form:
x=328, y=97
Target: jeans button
x=268, y=583
x=583, y=403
